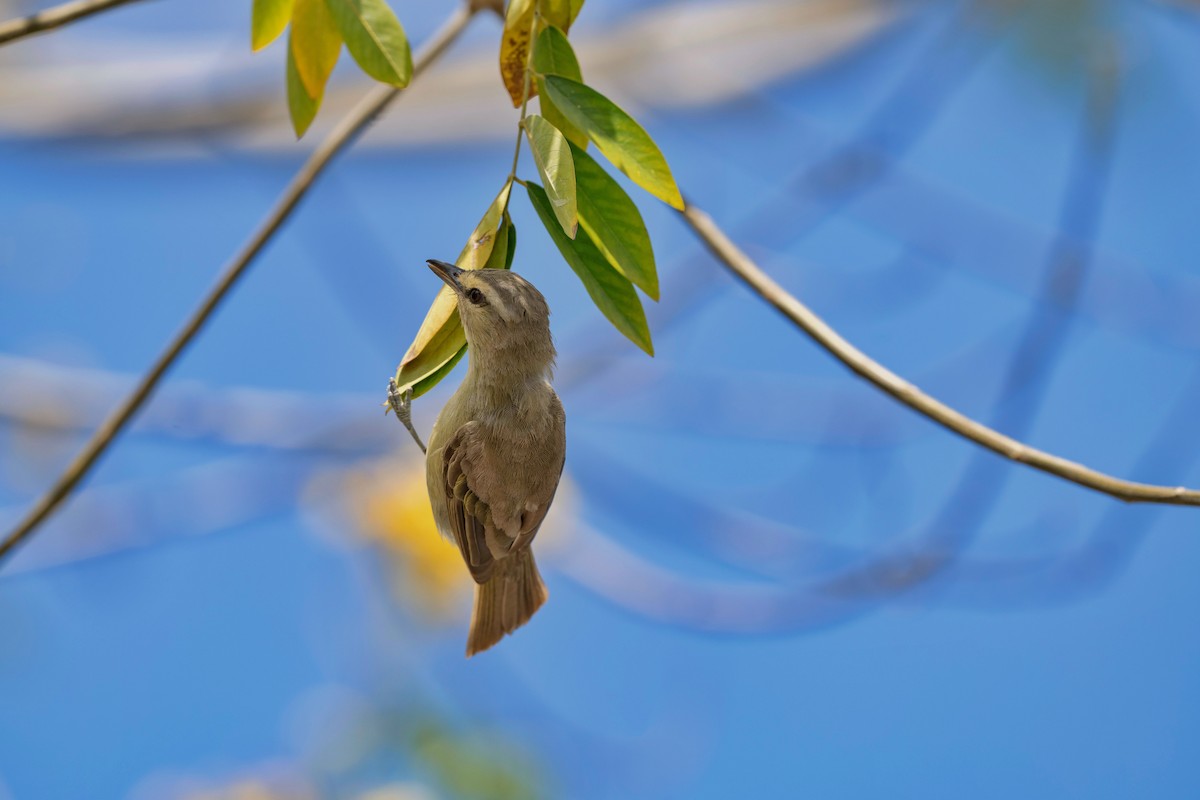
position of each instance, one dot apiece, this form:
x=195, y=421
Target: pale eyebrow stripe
x=505, y=297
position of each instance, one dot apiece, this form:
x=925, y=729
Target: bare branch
x=339, y=139
x=817, y=329
x=54, y=17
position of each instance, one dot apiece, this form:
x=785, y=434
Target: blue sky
x=741, y=472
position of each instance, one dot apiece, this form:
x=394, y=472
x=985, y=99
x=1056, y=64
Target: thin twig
x=339, y=139
x=54, y=17
x=816, y=328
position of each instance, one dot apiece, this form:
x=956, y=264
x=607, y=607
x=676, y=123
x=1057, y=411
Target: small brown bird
x=497, y=449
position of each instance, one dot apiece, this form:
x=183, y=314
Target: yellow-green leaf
x=315, y=44
x=622, y=140
x=553, y=156
x=268, y=18
x=556, y=12
x=614, y=224
x=514, y=49
x=434, y=378
x=576, y=7
x=611, y=291
x=500, y=258
x=552, y=55
x=440, y=339
x=375, y=38
x=477, y=249
x=302, y=107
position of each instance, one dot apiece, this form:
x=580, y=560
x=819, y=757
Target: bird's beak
x=447, y=272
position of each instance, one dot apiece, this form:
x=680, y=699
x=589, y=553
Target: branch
x=817, y=329
x=339, y=139
x=54, y=17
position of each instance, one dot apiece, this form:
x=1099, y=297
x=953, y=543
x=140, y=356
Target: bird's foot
x=401, y=403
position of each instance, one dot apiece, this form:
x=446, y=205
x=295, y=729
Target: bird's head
x=504, y=315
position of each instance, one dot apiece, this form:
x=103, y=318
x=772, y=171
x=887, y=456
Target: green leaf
x=553, y=156
x=552, y=55
x=302, y=107
x=375, y=38
x=315, y=44
x=621, y=139
x=611, y=291
x=613, y=223
x=440, y=339
x=512, y=243
x=559, y=120
x=514, y=49
x=499, y=256
x=268, y=18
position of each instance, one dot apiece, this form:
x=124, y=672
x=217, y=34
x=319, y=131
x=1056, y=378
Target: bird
x=497, y=449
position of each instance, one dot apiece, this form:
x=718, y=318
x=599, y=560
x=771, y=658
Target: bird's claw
x=401, y=403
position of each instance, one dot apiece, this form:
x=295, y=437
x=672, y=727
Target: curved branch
x=54, y=17
x=339, y=139
x=817, y=329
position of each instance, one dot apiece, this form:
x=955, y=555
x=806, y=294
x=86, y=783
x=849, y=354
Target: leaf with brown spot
x=515, y=42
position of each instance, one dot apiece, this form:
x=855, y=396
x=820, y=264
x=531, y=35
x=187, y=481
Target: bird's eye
x=475, y=296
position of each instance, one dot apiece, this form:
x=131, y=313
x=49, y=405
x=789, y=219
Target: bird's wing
x=479, y=540
x=474, y=480
x=538, y=505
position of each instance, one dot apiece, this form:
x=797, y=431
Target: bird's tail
x=506, y=601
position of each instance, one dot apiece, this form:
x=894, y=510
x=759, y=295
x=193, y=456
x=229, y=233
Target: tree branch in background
x=819, y=331
x=54, y=17
x=720, y=244
x=341, y=137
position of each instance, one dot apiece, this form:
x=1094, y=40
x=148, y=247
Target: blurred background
x=766, y=579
